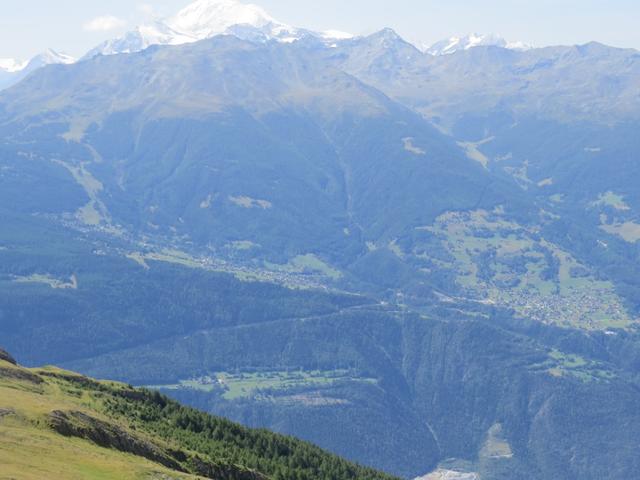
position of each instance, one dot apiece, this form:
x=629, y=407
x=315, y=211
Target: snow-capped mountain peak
x=12, y=71
x=50, y=57
x=455, y=44
x=197, y=21
x=143, y=36
x=206, y=18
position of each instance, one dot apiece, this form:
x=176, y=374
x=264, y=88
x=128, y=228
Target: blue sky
x=30, y=26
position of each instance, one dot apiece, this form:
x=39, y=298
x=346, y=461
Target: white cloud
x=104, y=23
x=148, y=12
x=146, y=9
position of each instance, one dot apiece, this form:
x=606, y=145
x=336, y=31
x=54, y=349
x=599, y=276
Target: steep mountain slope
x=556, y=122
x=163, y=154
x=59, y=424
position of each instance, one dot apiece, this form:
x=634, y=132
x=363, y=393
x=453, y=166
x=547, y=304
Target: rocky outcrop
x=4, y=412
x=5, y=356
x=20, y=374
x=107, y=435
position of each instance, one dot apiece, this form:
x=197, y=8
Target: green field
x=233, y=386
x=560, y=364
x=307, y=263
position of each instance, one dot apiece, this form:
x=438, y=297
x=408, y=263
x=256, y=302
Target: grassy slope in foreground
x=57, y=424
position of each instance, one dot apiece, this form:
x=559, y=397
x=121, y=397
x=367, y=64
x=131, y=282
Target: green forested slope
x=57, y=424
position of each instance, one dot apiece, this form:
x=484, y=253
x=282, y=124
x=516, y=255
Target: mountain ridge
x=203, y=19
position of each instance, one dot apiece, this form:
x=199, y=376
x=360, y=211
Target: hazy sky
x=30, y=26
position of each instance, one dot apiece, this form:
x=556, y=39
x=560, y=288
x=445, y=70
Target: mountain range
x=204, y=19
x=352, y=241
